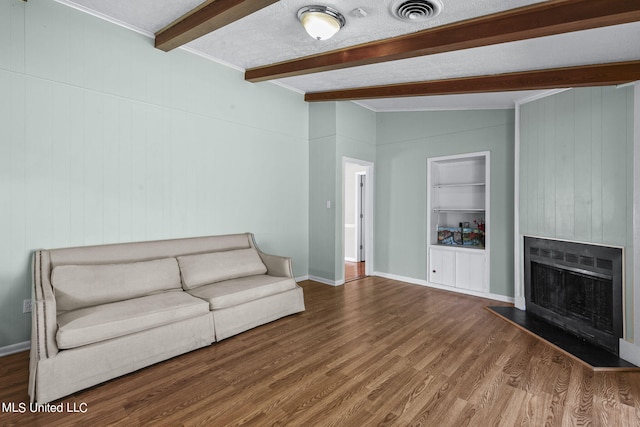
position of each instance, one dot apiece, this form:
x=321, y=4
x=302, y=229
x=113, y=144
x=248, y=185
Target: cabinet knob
x=433, y=271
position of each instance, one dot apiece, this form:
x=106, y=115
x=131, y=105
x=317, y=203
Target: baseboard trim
x=348, y=259
x=301, y=278
x=401, y=278
x=630, y=352
x=326, y=281
x=420, y=282
x=15, y=348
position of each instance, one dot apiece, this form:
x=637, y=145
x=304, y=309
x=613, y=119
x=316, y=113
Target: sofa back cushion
x=79, y=286
x=212, y=267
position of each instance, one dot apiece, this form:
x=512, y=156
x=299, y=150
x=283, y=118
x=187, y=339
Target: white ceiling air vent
x=416, y=10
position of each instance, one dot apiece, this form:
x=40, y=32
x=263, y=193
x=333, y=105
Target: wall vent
x=416, y=10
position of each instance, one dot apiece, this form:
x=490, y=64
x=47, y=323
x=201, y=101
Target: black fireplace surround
x=577, y=287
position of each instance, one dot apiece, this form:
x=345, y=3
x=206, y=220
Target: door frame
x=361, y=196
x=368, y=214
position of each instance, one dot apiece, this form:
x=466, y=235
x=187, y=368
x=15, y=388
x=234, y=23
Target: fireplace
x=577, y=287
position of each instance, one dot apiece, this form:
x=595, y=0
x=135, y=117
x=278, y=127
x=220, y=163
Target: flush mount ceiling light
x=321, y=22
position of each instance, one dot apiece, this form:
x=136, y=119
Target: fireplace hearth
x=576, y=287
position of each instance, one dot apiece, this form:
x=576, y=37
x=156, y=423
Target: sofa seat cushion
x=102, y=322
x=203, y=269
x=238, y=291
x=80, y=286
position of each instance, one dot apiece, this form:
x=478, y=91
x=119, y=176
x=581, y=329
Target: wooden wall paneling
x=523, y=166
x=123, y=145
x=6, y=35
x=565, y=155
x=167, y=173
x=596, y=165
x=138, y=171
x=549, y=165
x=93, y=168
x=614, y=203
x=154, y=144
x=19, y=225
x=38, y=166
x=6, y=154
x=12, y=36
x=61, y=160
x=580, y=140
x=631, y=126
x=11, y=190
x=535, y=174
x=182, y=130
x=110, y=159
x=582, y=161
x=76, y=166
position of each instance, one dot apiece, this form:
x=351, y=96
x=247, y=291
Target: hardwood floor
x=353, y=271
x=371, y=352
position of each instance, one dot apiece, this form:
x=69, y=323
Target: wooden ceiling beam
x=208, y=17
x=537, y=20
x=588, y=75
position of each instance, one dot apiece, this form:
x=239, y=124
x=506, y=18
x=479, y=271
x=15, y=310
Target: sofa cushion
x=94, y=324
x=212, y=267
x=79, y=286
x=238, y=291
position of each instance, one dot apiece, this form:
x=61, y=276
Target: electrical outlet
x=26, y=306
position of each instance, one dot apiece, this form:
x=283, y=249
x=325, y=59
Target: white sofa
x=104, y=311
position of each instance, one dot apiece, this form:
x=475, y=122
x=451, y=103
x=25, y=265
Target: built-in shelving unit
x=458, y=222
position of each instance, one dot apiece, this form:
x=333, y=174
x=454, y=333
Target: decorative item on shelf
x=449, y=236
x=472, y=237
x=481, y=227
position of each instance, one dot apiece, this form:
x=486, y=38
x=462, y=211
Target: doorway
x=357, y=221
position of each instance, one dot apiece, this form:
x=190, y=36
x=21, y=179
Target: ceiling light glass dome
x=321, y=22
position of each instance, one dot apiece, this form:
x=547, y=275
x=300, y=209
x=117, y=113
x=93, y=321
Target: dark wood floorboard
x=374, y=352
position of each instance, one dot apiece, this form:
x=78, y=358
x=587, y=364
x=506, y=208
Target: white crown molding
x=541, y=95
x=106, y=18
x=427, y=109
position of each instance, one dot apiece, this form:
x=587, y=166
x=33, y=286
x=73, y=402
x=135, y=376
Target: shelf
x=461, y=210
x=470, y=184
x=458, y=247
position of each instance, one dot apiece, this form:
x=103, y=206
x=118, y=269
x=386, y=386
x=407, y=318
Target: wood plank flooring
x=372, y=352
x=353, y=270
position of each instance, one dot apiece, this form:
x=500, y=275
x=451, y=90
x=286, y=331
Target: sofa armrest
x=277, y=265
x=44, y=312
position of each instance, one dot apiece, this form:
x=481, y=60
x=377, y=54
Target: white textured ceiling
x=274, y=34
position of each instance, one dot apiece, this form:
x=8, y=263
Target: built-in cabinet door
x=469, y=266
x=442, y=266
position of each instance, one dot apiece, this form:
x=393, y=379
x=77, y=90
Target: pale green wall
x=576, y=170
x=336, y=130
x=322, y=182
x=356, y=139
x=405, y=141
x=105, y=139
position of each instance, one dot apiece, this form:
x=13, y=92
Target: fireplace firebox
x=577, y=287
